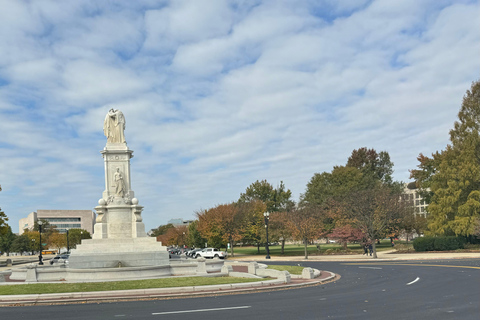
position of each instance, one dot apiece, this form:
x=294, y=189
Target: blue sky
x=219, y=94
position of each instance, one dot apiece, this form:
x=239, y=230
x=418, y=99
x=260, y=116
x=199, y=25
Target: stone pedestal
x=119, y=238
x=118, y=253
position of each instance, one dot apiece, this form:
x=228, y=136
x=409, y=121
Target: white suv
x=211, y=253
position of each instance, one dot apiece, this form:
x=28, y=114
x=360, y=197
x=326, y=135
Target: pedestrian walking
x=370, y=248
x=365, y=249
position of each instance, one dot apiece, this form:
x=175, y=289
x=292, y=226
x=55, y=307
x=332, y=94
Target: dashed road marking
x=200, y=310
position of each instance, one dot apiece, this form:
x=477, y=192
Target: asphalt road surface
x=442, y=289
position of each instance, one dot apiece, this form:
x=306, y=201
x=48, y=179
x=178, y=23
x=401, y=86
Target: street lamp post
x=266, y=216
x=68, y=246
x=40, y=257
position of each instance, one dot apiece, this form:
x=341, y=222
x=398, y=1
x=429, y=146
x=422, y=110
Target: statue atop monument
x=114, y=126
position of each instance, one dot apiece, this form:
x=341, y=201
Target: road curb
x=138, y=294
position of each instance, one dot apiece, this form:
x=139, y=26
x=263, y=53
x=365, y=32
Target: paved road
x=438, y=289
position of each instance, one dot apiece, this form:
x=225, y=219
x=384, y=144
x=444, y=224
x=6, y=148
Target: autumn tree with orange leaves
x=175, y=236
x=305, y=224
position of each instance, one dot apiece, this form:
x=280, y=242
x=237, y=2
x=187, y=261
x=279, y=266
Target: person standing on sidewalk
x=370, y=248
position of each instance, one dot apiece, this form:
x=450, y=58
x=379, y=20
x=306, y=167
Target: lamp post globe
x=266, y=216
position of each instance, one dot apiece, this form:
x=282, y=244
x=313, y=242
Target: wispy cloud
x=219, y=94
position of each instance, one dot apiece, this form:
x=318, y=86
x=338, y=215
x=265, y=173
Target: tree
x=209, y=226
x=374, y=166
x=75, y=237
x=453, y=175
x=275, y=199
x=3, y=223
x=21, y=244
x=47, y=228
x=305, y=224
x=160, y=230
x=194, y=238
x=176, y=236
x=278, y=227
x=229, y=223
x=329, y=190
x=225, y=223
x=253, y=231
x=6, y=239
x=408, y=221
x=57, y=240
x=346, y=234
x=34, y=239
x=374, y=211
x=332, y=185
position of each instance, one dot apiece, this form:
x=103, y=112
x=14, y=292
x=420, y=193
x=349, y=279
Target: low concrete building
x=62, y=219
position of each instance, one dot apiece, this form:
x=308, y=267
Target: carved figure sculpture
x=114, y=126
x=119, y=184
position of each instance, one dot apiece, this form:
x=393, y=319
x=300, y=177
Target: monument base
x=114, y=253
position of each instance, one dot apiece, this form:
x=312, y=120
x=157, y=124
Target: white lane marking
x=413, y=281
x=200, y=310
x=368, y=268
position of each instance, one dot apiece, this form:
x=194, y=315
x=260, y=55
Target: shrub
x=438, y=243
x=424, y=244
x=470, y=246
x=449, y=243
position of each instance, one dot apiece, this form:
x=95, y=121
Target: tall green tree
x=75, y=237
x=3, y=222
x=276, y=199
x=195, y=239
x=453, y=175
x=6, y=239
x=374, y=166
x=21, y=244
x=325, y=186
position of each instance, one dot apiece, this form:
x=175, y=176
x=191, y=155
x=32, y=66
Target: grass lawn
x=299, y=249
x=38, y=288
x=290, y=269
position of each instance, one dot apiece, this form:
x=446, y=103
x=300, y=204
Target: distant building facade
x=61, y=219
x=412, y=194
x=179, y=222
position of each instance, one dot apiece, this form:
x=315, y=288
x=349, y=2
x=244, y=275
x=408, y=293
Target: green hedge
x=438, y=243
x=424, y=244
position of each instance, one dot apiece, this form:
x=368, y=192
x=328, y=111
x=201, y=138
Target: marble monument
x=119, y=238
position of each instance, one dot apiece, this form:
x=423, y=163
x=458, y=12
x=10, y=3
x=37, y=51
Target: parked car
x=192, y=253
x=211, y=253
x=173, y=251
x=60, y=259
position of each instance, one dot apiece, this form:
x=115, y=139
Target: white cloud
x=221, y=94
